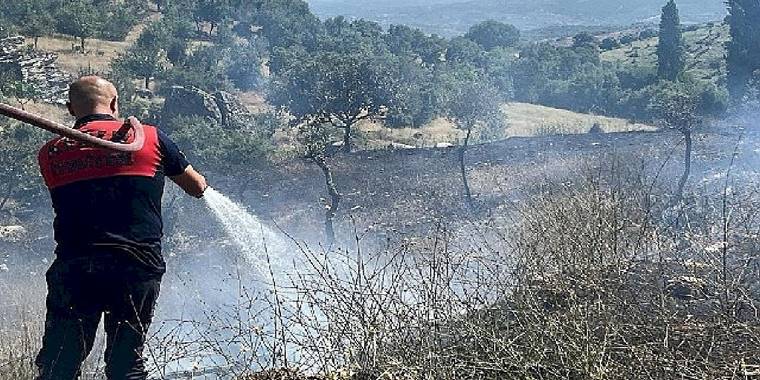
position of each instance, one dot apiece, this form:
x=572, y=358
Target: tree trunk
x=82, y=42
x=36, y=40
x=465, y=182
x=347, y=139
x=335, y=197
x=686, y=164
x=147, y=82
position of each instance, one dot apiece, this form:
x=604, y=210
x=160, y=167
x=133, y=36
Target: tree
x=146, y=58
x=214, y=12
x=492, y=34
x=143, y=63
x=315, y=138
x=286, y=23
x=670, y=49
x=463, y=50
x=609, y=43
x=407, y=92
x=678, y=109
x=36, y=20
x=408, y=42
x=473, y=103
x=80, y=19
x=584, y=39
x=330, y=88
x=744, y=47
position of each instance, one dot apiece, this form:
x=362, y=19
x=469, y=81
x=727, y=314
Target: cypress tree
x=670, y=50
x=744, y=47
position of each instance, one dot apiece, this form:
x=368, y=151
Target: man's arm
x=191, y=182
x=178, y=169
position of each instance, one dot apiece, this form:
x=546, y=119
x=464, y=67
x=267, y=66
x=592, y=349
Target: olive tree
x=472, y=103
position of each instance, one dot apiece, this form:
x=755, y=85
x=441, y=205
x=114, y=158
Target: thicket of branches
x=598, y=277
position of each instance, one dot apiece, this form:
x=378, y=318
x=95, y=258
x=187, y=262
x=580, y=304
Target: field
x=523, y=119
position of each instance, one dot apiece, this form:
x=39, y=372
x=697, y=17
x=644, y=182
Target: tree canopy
x=670, y=49
x=492, y=34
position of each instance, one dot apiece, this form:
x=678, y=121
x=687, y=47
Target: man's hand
x=192, y=182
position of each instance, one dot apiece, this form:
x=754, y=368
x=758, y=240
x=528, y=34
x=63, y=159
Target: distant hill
x=705, y=52
x=452, y=17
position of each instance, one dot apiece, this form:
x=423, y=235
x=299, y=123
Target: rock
x=233, y=111
x=190, y=101
x=221, y=107
x=11, y=233
x=37, y=69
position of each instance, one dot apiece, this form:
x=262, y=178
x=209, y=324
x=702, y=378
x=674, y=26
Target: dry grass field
x=98, y=54
x=525, y=120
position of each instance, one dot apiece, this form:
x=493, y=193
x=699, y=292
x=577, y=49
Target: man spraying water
x=108, y=231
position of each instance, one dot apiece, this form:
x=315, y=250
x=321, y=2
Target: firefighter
x=108, y=231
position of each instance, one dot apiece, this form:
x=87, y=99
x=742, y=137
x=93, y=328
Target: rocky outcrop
x=232, y=109
x=188, y=102
x=35, y=68
x=220, y=107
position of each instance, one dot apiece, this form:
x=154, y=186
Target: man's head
x=92, y=95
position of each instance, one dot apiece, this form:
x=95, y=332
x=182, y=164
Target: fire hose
x=62, y=130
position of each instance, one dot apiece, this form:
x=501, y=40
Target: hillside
x=454, y=17
x=705, y=52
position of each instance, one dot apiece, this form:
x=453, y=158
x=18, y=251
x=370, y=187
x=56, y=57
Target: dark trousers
x=80, y=291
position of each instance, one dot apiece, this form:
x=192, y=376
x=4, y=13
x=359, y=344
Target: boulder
x=190, y=101
x=221, y=107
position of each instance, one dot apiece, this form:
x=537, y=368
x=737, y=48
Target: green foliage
x=499, y=70
x=213, y=147
x=463, y=50
x=408, y=42
x=286, y=23
x=357, y=37
x=677, y=106
x=244, y=67
x=744, y=48
x=36, y=19
x=492, y=34
x=670, y=50
x=80, y=19
x=120, y=19
x=469, y=101
x=144, y=63
x=584, y=39
x=408, y=94
x=609, y=43
x=19, y=175
x=326, y=86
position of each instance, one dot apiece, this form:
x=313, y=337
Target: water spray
x=62, y=130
